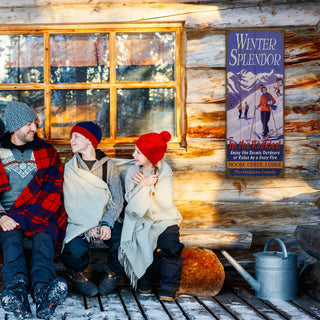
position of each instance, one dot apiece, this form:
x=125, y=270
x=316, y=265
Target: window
x=127, y=78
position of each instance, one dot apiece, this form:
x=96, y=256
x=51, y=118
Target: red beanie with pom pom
x=153, y=145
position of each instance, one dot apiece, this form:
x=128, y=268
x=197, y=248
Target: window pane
x=145, y=110
x=21, y=58
x=33, y=98
x=79, y=58
x=71, y=106
x=145, y=56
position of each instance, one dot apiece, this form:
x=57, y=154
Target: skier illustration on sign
x=266, y=104
x=277, y=90
x=239, y=107
x=246, y=109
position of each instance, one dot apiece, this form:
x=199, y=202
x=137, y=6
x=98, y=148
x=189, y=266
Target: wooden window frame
x=111, y=28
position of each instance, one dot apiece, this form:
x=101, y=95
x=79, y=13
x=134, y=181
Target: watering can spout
x=251, y=280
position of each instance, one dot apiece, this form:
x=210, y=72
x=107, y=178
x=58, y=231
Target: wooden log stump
x=202, y=273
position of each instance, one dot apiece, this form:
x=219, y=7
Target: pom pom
x=165, y=135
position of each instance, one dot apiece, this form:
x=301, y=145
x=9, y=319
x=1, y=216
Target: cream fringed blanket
x=146, y=217
x=82, y=189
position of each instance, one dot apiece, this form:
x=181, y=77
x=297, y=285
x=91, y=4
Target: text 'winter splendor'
x=245, y=44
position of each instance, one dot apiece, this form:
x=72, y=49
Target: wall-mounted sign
x=254, y=62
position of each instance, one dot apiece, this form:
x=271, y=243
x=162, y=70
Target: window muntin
x=100, y=86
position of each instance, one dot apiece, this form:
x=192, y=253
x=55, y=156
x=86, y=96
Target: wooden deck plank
x=237, y=307
x=2, y=314
x=230, y=304
x=258, y=304
x=92, y=303
x=193, y=309
x=113, y=307
x=287, y=308
x=73, y=308
x=309, y=305
x=173, y=310
x=133, y=309
x=215, y=308
x=152, y=306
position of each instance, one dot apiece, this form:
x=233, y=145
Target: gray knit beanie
x=17, y=115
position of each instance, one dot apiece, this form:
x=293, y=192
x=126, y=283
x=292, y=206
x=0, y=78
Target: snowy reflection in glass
x=145, y=56
x=79, y=58
x=21, y=58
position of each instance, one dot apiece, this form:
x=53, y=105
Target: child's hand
x=93, y=233
x=105, y=233
x=7, y=223
x=143, y=180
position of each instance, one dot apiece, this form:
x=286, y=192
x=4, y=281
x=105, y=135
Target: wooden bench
x=213, y=239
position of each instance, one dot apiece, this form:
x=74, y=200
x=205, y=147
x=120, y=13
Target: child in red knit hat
x=151, y=222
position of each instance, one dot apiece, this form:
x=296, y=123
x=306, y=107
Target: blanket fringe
x=124, y=261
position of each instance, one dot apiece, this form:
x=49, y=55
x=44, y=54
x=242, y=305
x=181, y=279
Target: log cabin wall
x=206, y=198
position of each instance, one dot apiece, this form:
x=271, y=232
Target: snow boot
x=82, y=284
x=15, y=299
x=167, y=295
x=47, y=298
x=109, y=282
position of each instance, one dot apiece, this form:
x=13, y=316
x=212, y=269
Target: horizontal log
x=205, y=85
x=301, y=45
x=206, y=52
x=303, y=74
x=209, y=186
x=216, y=239
x=218, y=15
x=41, y=3
x=259, y=218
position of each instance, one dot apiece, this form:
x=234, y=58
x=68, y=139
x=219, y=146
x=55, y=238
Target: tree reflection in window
x=145, y=110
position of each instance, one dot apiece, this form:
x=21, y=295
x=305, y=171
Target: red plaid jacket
x=40, y=206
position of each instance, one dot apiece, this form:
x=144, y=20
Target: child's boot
x=109, y=282
x=82, y=284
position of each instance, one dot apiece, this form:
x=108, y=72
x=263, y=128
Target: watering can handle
x=283, y=247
